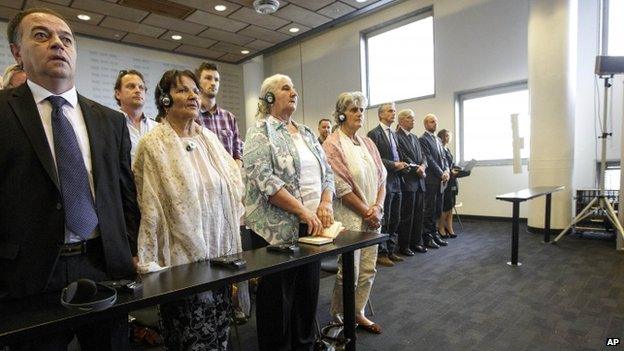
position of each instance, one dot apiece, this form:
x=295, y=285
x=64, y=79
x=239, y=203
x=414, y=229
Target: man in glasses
x=130, y=96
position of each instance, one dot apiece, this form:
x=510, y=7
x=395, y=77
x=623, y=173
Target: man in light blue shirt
x=130, y=95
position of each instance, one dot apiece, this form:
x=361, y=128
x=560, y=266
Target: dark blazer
x=436, y=162
x=377, y=135
x=411, y=152
x=32, y=225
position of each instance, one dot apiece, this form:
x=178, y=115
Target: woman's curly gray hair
x=269, y=85
x=347, y=99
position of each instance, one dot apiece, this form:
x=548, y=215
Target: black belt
x=81, y=248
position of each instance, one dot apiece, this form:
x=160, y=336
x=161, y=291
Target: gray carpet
x=464, y=297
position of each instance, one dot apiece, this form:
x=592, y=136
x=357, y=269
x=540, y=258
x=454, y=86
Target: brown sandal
x=371, y=328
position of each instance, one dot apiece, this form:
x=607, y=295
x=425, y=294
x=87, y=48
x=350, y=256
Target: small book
x=315, y=240
x=327, y=236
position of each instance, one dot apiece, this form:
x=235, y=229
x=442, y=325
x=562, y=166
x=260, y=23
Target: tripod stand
x=601, y=202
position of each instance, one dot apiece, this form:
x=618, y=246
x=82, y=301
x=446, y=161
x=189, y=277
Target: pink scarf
x=338, y=162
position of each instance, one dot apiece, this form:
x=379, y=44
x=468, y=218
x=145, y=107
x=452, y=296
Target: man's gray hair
x=405, y=113
x=347, y=99
x=383, y=106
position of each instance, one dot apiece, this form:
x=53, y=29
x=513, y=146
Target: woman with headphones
x=288, y=193
x=189, y=191
x=360, y=193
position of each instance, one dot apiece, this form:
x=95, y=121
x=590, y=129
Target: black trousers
x=107, y=335
x=412, y=215
x=433, y=208
x=392, y=216
x=286, y=307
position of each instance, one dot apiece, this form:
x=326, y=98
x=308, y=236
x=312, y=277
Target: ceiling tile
x=227, y=47
x=221, y=35
x=232, y=57
x=148, y=41
x=215, y=21
x=264, y=34
x=69, y=13
x=286, y=29
x=208, y=5
x=301, y=15
x=8, y=12
x=312, y=5
x=359, y=5
x=248, y=15
x=15, y=4
x=173, y=24
x=97, y=31
x=201, y=52
x=188, y=39
x=106, y=8
x=60, y=2
x=132, y=27
x=259, y=44
x=336, y=10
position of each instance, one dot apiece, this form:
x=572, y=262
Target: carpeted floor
x=568, y=296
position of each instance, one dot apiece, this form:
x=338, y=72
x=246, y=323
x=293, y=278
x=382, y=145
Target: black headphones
x=86, y=295
x=165, y=99
x=269, y=98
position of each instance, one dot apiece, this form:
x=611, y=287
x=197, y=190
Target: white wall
x=478, y=43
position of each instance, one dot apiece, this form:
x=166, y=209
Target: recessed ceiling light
x=293, y=30
x=220, y=8
x=84, y=17
x=244, y=52
x=176, y=37
x=361, y=0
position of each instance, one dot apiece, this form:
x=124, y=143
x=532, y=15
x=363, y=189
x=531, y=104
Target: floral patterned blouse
x=271, y=162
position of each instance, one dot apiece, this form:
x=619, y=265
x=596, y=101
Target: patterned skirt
x=197, y=322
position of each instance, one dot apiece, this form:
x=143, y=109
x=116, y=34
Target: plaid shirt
x=223, y=124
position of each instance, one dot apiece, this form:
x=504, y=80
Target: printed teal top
x=271, y=161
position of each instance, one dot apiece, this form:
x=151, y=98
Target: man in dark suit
x=386, y=142
x=436, y=179
x=413, y=189
x=67, y=197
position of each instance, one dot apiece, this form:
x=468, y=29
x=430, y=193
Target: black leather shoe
x=406, y=252
x=439, y=241
x=451, y=235
x=432, y=245
x=419, y=248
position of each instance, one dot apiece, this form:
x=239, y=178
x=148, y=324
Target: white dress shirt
x=145, y=126
x=74, y=114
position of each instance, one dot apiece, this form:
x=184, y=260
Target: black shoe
x=431, y=244
x=406, y=252
x=439, y=241
x=419, y=248
x=451, y=235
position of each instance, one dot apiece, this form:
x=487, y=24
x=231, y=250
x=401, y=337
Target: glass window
x=485, y=123
x=615, y=41
x=399, y=60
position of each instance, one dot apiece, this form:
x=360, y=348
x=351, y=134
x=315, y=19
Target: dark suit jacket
x=436, y=162
x=32, y=225
x=377, y=135
x=411, y=152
